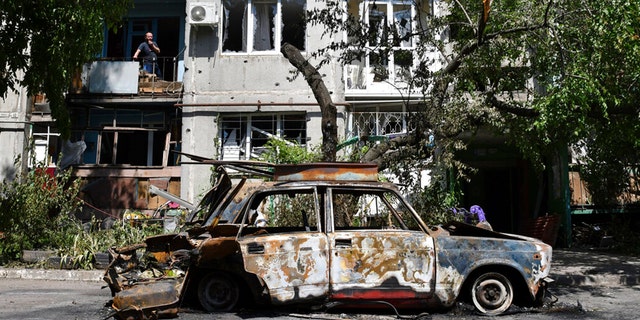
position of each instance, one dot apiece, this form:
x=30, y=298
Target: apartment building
x=237, y=92
x=225, y=89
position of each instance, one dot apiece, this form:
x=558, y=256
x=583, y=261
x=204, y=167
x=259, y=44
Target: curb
x=611, y=280
x=51, y=274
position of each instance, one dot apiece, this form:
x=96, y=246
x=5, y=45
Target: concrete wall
x=13, y=132
x=217, y=82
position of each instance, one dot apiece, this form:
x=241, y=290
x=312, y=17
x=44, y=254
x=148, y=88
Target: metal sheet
x=394, y=266
x=119, y=77
x=459, y=256
x=327, y=172
x=294, y=266
x=147, y=297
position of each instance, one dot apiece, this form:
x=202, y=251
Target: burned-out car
x=322, y=233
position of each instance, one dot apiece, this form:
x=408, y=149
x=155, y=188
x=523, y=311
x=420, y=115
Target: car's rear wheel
x=218, y=291
x=492, y=293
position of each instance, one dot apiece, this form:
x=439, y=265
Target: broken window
x=112, y=135
x=46, y=145
x=244, y=137
x=370, y=209
x=286, y=210
x=390, y=42
x=263, y=25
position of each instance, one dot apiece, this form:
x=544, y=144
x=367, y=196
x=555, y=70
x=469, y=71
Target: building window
x=390, y=43
x=46, y=145
x=129, y=137
x=263, y=25
x=379, y=124
x=244, y=137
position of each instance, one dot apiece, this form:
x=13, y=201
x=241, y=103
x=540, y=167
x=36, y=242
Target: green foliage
x=37, y=213
x=79, y=245
x=31, y=208
x=281, y=151
x=435, y=201
x=35, y=33
x=592, y=93
x=288, y=210
x=583, y=58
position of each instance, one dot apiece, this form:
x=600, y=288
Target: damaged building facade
x=237, y=87
x=225, y=90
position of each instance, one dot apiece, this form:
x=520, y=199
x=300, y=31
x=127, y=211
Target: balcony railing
x=124, y=76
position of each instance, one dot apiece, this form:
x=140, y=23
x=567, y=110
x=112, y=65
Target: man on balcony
x=148, y=51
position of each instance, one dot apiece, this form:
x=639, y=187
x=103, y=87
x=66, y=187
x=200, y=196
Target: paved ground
x=594, y=268
x=590, y=284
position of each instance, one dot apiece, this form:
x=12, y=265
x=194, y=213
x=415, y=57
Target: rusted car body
x=317, y=234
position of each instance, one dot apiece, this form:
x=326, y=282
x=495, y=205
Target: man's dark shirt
x=146, y=53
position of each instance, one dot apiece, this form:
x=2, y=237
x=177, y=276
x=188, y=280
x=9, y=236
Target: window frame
x=379, y=194
x=248, y=41
x=387, y=69
x=248, y=125
x=313, y=223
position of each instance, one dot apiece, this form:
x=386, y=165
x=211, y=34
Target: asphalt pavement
x=594, y=267
x=569, y=267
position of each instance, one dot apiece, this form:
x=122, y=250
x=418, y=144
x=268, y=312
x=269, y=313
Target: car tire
x=492, y=293
x=218, y=292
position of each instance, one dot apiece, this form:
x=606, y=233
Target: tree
x=45, y=43
x=543, y=74
x=321, y=93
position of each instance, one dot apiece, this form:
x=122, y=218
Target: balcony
x=381, y=73
x=385, y=73
x=122, y=81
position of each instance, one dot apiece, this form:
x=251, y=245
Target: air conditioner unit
x=203, y=14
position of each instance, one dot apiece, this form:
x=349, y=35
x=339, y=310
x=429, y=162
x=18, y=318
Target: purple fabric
x=475, y=209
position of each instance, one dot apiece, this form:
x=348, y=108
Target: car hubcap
x=491, y=293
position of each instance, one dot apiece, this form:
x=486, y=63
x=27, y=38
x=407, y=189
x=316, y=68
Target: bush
x=37, y=213
x=79, y=245
x=280, y=151
x=32, y=206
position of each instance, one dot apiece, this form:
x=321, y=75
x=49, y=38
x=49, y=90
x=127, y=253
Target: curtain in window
x=263, y=21
x=403, y=25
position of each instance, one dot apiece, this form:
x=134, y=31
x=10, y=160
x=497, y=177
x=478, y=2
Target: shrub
x=31, y=208
x=280, y=151
x=79, y=245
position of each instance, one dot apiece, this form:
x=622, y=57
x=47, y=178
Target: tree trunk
x=320, y=92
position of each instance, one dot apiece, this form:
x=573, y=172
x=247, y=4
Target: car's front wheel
x=492, y=293
x=218, y=292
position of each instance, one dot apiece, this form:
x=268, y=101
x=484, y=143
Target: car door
x=376, y=253
x=289, y=250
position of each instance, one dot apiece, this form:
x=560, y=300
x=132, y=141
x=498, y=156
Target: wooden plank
x=126, y=171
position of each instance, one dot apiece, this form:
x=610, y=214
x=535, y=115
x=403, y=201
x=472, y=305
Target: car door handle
x=343, y=243
x=255, y=248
